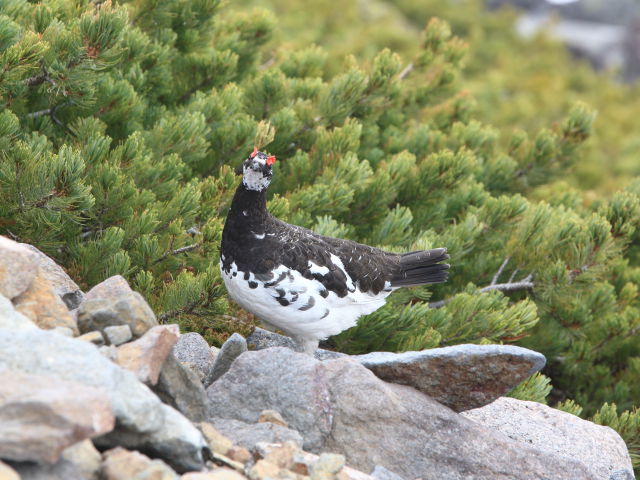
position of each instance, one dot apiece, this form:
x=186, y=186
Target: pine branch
x=406, y=71
x=524, y=284
x=177, y=251
x=495, y=278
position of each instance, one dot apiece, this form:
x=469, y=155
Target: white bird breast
x=308, y=315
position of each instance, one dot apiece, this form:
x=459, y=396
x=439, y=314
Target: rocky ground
x=92, y=387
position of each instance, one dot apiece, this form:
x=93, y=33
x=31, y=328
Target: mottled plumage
x=308, y=285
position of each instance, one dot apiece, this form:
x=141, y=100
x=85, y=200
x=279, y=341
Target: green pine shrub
x=121, y=125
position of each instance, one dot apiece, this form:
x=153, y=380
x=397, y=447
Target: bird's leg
x=305, y=345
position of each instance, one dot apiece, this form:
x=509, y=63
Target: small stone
x=121, y=464
x=181, y=388
x=263, y=470
x=146, y=356
x=85, y=457
x=216, y=474
x=65, y=331
x=247, y=435
x=94, y=337
x=112, y=302
x=43, y=306
x=261, y=339
x=239, y=454
x=279, y=454
x=11, y=319
x=18, y=268
x=41, y=416
x=327, y=465
x=461, y=377
x=271, y=416
x=118, y=334
x=217, y=442
x=193, y=349
x=231, y=349
x=62, y=284
x=8, y=473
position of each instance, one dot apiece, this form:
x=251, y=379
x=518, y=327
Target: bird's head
x=257, y=170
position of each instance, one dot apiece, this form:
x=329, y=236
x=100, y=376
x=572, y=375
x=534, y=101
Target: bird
x=308, y=285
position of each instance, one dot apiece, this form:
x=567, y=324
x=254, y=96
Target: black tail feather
x=421, y=268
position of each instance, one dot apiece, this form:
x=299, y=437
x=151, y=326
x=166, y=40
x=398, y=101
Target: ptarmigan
x=305, y=284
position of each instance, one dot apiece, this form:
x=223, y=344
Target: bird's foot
x=305, y=345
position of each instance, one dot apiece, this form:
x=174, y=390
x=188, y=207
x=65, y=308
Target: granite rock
x=118, y=334
x=10, y=318
x=121, y=464
x=556, y=432
x=231, y=349
x=341, y=407
x=194, y=351
x=146, y=356
x=41, y=416
x=247, y=435
x=181, y=388
x=461, y=377
x=18, y=268
x=62, y=284
x=142, y=419
x=112, y=302
x=43, y=306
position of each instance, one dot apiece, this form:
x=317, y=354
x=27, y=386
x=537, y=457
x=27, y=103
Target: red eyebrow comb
x=271, y=160
x=255, y=152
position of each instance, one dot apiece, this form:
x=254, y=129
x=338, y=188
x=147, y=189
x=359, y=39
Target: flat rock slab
x=341, y=407
x=41, y=416
x=461, y=377
x=557, y=432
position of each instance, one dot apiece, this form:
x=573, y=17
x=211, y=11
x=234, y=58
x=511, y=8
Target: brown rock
x=461, y=377
x=85, y=458
x=62, y=284
x=239, y=454
x=112, y=302
x=43, y=306
x=121, y=464
x=94, y=337
x=41, y=416
x=216, y=474
x=263, y=470
x=7, y=473
x=280, y=455
x=271, y=416
x=18, y=268
x=217, y=442
x=146, y=356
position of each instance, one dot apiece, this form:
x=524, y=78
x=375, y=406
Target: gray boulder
x=556, y=432
x=18, y=268
x=231, y=349
x=461, y=377
x=193, y=351
x=341, y=407
x=142, y=419
x=181, y=388
x=112, y=302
